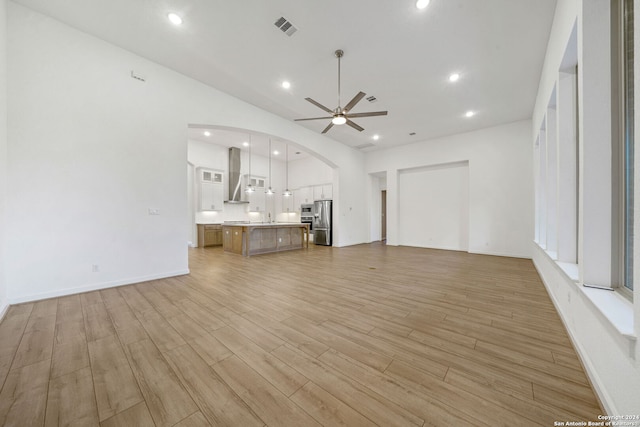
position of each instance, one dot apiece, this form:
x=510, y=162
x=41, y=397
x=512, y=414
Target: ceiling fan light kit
x=340, y=115
x=339, y=119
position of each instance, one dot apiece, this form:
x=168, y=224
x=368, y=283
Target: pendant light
x=287, y=193
x=269, y=190
x=249, y=188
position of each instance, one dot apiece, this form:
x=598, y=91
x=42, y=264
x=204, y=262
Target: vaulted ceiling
x=394, y=52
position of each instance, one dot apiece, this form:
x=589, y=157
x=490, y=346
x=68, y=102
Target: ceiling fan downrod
x=339, y=53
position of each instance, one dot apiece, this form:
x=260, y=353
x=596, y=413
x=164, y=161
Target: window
x=625, y=149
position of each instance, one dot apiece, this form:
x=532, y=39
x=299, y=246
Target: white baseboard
x=503, y=254
x=95, y=286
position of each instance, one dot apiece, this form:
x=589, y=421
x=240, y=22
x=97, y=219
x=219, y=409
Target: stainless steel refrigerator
x=322, y=222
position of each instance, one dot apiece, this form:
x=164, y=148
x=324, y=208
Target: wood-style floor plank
x=137, y=415
x=36, y=346
x=24, y=395
x=278, y=373
x=429, y=405
x=71, y=400
x=369, y=404
x=264, y=399
x=166, y=397
x=11, y=331
x=194, y=420
x=115, y=386
x=357, y=336
x=328, y=410
x=219, y=404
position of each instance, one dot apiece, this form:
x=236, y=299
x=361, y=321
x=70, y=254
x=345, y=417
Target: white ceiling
x=393, y=51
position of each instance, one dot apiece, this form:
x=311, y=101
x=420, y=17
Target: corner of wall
x=3, y=154
x=4, y=307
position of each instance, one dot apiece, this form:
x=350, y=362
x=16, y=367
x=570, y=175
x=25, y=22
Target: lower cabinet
x=232, y=239
x=209, y=235
x=250, y=240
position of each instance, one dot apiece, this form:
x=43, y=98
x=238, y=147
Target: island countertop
x=257, y=238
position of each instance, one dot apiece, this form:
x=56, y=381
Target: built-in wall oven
x=306, y=215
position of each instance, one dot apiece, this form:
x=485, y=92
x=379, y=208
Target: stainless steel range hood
x=235, y=178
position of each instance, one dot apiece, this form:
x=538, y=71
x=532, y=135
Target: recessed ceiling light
x=276, y=152
x=245, y=144
x=421, y=4
x=454, y=77
x=286, y=84
x=376, y=137
x=207, y=133
x=470, y=114
x=174, y=18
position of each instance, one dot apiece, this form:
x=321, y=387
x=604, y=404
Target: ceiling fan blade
x=317, y=104
x=313, y=118
x=355, y=126
x=328, y=127
x=354, y=101
x=373, y=113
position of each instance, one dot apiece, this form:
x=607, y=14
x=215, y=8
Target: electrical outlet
x=95, y=268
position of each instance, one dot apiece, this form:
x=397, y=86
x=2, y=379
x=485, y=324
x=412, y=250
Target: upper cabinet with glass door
x=211, y=189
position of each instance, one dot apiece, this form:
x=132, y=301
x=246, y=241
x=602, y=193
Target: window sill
x=613, y=306
x=571, y=270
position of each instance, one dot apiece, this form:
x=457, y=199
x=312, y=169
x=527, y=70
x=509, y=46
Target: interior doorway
x=383, y=215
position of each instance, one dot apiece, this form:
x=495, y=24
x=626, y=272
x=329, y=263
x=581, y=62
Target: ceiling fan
x=340, y=115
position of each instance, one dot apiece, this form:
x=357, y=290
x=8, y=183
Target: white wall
x=602, y=324
x=500, y=186
x=92, y=149
x=3, y=153
x=308, y=171
x=433, y=207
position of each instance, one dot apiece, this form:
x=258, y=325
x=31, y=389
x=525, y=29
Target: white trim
x=614, y=307
x=617, y=309
x=503, y=254
x=571, y=270
x=95, y=286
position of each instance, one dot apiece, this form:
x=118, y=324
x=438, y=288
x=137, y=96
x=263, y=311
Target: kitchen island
x=257, y=238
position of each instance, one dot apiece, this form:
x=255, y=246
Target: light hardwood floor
x=356, y=336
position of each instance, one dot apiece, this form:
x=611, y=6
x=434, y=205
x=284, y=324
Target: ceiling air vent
x=366, y=145
x=371, y=98
x=285, y=26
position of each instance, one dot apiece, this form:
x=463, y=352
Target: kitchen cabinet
x=209, y=235
x=309, y=194
x=304, y=195
x=257, y=199
x=288, y=204
x=232, y=239
x=254, y=239
x=323, y=192
x=211, y=189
